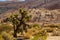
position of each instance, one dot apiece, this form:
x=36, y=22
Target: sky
x=2, y=0
x=12, y=0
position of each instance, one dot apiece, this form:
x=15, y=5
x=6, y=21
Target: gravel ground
x=53, y=38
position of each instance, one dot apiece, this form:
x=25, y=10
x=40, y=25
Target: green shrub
x=35, y=25
x=39, y=37
x=7, y=36
x=1, y=38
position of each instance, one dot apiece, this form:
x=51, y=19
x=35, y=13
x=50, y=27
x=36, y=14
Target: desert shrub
x=52, y=25
x=50, y=30
x=6, y=36
x=11, y=32
x=56, y=32
x=34, y=29
x=58, y=26
x=6, y=31
x=39, y=37
x=36, y=33
x=1, y=38
x=36, y=25
x=5, y=27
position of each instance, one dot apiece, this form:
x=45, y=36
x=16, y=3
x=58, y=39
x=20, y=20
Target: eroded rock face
x=42, y=15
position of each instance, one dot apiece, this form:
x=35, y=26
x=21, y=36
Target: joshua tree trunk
x=15, y=34
x=15, y=31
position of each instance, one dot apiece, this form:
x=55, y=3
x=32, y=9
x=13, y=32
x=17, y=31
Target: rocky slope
x=33, y=6
x=49, y=4
x=38, y=15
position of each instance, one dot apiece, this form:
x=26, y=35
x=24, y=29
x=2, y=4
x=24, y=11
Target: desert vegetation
x=38, y=20
x=17, y=25
x=26, y=24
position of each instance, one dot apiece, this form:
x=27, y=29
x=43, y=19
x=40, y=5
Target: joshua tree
x=20, y=23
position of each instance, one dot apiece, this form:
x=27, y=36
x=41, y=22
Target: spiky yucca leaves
x=14, y=20
x=20, y=23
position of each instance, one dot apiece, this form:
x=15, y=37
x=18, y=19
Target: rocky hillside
x=39, y=15
x=33, y=7
x=49, y=4
x=44, y=15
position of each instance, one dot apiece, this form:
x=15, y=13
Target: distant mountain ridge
x=49, y=4
x=28, y=4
